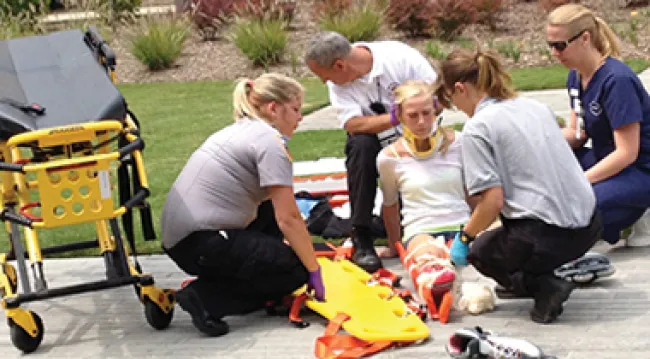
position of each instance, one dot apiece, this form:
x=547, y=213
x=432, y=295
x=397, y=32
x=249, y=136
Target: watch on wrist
x=466, y=238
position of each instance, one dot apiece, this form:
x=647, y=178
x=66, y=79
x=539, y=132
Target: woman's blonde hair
x=414, y=88
x=482, y=69
x=577, y=19
x=250, y=96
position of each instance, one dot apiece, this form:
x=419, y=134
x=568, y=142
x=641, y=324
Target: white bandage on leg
x=430, y=267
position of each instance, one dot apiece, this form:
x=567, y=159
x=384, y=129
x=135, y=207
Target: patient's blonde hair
x=414, y=88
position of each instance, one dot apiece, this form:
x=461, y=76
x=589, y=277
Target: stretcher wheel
x=156, y=317
x=22, y=340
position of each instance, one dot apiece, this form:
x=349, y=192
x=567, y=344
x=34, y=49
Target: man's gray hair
x=326, y=47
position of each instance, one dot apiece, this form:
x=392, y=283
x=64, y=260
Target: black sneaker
x=202, y=320
x=550, y=298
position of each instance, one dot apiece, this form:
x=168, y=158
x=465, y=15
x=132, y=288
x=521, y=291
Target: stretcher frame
x=61, y=176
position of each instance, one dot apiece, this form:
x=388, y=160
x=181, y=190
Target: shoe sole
x=369, y=268
x=188, y=304
x=557, y=300
x=510, y=295
x=586, y=269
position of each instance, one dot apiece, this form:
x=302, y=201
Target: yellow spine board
x=376, y=313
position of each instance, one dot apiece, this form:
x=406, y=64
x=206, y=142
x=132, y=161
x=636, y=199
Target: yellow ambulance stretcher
x=67, y=141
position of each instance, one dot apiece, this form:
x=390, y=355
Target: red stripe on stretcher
x=335, y=176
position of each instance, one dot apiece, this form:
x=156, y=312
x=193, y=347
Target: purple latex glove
x=394, y=116
x=315, y=284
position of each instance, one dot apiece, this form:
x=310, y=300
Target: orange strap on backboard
x=342, y=346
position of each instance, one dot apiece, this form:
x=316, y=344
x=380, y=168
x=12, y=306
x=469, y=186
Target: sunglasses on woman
x=562, y=45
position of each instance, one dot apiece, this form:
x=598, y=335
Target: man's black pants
x=522, y=250
x=238, y=273
x=361, y=152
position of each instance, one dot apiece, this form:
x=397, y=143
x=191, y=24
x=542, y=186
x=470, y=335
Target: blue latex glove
x=315, y=284
x=458, y=251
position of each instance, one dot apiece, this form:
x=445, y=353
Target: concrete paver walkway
x=609, y=319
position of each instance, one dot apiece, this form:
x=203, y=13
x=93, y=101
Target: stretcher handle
x=95, y=40
x=8, y=215
x=138, y=144
x=137, y=198
x=12, y=167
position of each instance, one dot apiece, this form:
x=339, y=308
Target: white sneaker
x=477, y=343
x=640, y=236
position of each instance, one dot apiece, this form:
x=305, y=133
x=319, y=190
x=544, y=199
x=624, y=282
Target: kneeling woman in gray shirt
x=517, y=162
x=227, y=213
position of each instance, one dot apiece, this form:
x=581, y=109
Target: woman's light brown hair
x=483, y=69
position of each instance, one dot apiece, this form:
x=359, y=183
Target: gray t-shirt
x=224, y=180
x=518, y=145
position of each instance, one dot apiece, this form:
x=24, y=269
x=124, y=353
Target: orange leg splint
x=432, y=273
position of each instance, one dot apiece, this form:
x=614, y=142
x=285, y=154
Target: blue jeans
x=622, y=199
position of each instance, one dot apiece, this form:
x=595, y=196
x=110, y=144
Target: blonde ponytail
x=249, y=96
x=240, y=103
x=607, y=42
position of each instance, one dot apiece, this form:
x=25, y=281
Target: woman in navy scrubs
x=611, y=108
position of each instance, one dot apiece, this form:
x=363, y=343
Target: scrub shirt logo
x=285, y=140
x=595, y=109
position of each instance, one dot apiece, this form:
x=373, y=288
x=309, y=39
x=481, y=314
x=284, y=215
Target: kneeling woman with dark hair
x=515, y=159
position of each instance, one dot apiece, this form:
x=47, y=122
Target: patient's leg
x=428, y=264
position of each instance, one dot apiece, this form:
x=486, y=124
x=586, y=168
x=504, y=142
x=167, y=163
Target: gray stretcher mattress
x=59, y=73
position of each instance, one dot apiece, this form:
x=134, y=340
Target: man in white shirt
x=361, y=78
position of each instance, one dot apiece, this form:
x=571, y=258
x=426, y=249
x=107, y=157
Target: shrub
x=329, y=8
x=266, y=9
x=510, y=49
x=451, y=17
x=20, y=23
x=159, y=43
x=359, y=23
x=549, y=5
x=486, y=11
x=263, y=42
x=209, y=16
x=16, y=25
x=123, y=6
x=435, y=51
x=123, y=9
x=17, y=7
x=411, y=16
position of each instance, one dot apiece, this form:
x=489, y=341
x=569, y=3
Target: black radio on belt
x=378, y=108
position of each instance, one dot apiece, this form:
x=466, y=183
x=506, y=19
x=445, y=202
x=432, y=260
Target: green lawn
x=554, y=77
x=177, y=117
